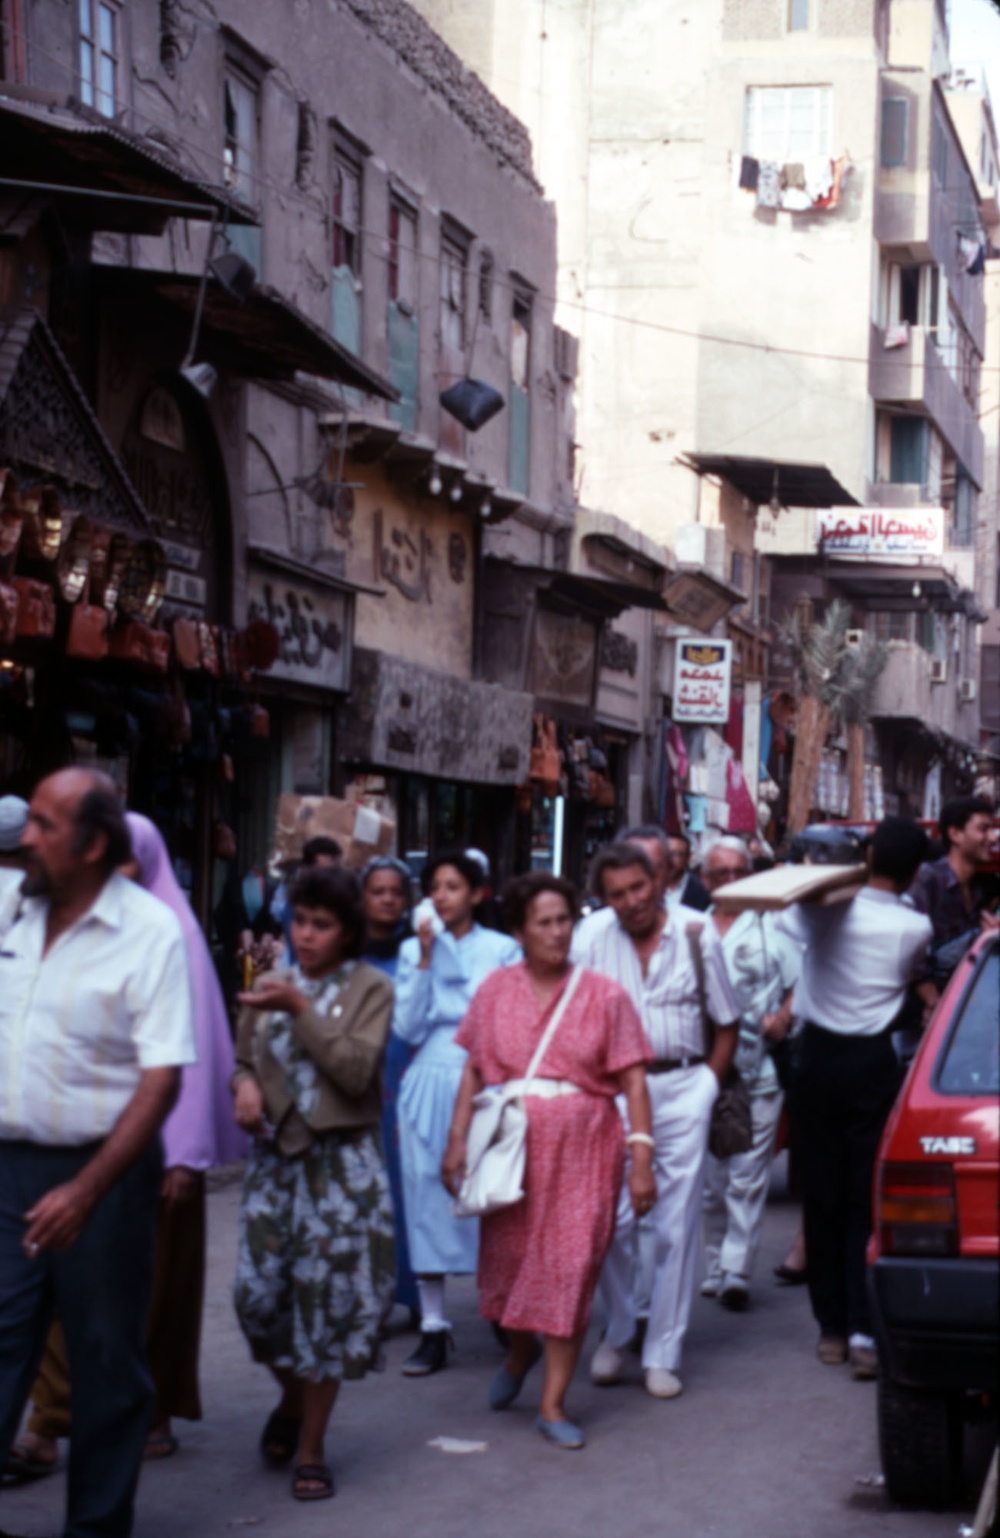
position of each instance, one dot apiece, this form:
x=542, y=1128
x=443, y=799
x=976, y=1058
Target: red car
x=933, y=1258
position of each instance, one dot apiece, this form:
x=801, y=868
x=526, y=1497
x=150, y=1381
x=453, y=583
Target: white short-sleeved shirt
x=859, y=958
x=80, y=1025
x=667, y=995
x=763, y=964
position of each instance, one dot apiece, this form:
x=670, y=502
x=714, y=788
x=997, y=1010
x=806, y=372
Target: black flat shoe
x=790, y=1275
x=430, y=1356
x=279, y=1439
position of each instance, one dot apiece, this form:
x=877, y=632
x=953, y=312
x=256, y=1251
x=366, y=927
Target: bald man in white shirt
x=634, y=941
x=95, y=1025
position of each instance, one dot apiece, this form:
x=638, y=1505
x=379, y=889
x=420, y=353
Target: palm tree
x=836, y=682
x=868, y=661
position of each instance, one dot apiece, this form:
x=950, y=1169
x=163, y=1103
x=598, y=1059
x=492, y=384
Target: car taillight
x=916, y=1210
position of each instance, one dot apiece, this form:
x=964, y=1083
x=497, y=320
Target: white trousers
x=682, y=1104
x=736, y=1194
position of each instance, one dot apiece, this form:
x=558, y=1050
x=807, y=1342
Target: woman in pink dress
x=540, y=1259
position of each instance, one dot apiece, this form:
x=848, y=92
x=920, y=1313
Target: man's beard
x=36, y=882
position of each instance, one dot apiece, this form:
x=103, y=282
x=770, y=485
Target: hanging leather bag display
x=36, y=608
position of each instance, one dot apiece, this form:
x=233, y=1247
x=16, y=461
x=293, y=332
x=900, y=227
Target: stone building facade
x=283, y=427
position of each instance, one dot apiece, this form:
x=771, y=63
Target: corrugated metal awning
x=100, y=173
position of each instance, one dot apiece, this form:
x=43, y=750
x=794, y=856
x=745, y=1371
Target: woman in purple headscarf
x=199, y=1133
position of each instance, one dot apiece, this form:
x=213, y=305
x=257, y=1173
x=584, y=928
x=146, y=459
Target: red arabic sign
x=891, y=531
x=701, y=681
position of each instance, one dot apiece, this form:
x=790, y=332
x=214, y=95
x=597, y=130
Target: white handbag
x=497, y=1138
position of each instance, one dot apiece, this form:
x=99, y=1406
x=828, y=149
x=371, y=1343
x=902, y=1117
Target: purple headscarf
x=200, y=1131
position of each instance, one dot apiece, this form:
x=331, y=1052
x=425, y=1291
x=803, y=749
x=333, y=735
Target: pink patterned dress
x=540, y=1259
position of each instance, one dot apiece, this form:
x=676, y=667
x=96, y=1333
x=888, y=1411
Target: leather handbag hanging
x=9, y=604
x=36, y=608
x=731, y=1128
x=132, y=641
x=187, y=646
x=87, y=637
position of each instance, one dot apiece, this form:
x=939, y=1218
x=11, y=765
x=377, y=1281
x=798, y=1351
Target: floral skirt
x=316, y=1264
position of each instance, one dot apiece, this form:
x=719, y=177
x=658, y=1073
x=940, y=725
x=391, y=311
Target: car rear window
x=970, y=1064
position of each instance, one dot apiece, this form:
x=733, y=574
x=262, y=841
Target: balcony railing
x=917, y=376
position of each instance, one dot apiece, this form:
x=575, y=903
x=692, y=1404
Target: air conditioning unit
x=939, y=670
x=566, y=349
x=967, y=690
x=855, y=637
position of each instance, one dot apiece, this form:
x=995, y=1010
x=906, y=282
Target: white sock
x=432, y=1306
x=858, y=1339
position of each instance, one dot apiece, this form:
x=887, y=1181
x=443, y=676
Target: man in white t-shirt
x=95, y=1025
x=860, y=957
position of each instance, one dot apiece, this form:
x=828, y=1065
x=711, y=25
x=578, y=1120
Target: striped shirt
x=79, y=1025
x=667, y=995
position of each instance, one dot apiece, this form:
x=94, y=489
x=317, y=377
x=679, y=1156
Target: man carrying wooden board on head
x=861, y=954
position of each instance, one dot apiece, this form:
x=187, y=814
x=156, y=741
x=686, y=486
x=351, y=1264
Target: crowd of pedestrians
x=350, y=1091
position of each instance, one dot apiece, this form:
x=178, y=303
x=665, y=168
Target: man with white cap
x=13, y=821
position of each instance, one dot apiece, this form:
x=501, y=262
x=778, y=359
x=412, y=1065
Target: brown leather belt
x=668, y=1064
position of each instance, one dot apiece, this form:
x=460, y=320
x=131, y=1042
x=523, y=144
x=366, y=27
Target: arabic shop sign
x=887, y=531
x=313, y=625
x=701, y=681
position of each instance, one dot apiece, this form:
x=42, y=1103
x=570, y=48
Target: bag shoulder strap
x=554, y=1023
x=693, y=932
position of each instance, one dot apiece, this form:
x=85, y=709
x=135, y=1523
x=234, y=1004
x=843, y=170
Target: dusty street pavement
x=763, y=1443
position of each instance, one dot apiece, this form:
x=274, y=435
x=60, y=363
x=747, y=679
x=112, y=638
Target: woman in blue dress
x=439, y=971
x=385, y=896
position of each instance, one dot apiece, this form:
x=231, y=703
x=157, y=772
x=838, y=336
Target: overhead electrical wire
x=380, y=239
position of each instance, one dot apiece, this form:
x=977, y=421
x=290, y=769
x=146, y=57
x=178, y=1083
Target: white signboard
x=896, y=532
x=701, y=681
x=313, y=625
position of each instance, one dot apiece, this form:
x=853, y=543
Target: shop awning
x=102, y=175
x=604, y=596
x=261, y=337
x=797, y=484
x=877, y=584
x=313, y=571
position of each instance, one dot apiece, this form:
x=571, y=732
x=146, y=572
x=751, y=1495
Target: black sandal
x=312, y=1474
x=280, y=1438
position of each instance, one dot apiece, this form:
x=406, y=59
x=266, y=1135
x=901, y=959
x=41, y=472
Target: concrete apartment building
x=279, y=435
x=771, y=214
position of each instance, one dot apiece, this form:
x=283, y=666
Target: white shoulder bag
x=497, y=1138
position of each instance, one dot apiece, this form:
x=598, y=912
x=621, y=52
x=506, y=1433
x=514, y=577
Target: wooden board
x=771, y=890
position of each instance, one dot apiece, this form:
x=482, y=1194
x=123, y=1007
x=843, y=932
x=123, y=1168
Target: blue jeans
x=100, y=1290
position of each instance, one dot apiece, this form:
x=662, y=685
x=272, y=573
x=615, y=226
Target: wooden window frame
x=89, y=15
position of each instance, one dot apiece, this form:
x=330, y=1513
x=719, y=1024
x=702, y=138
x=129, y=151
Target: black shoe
x=430, y=1356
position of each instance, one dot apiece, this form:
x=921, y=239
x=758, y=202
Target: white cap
x=481, y=860
x=13, y=821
